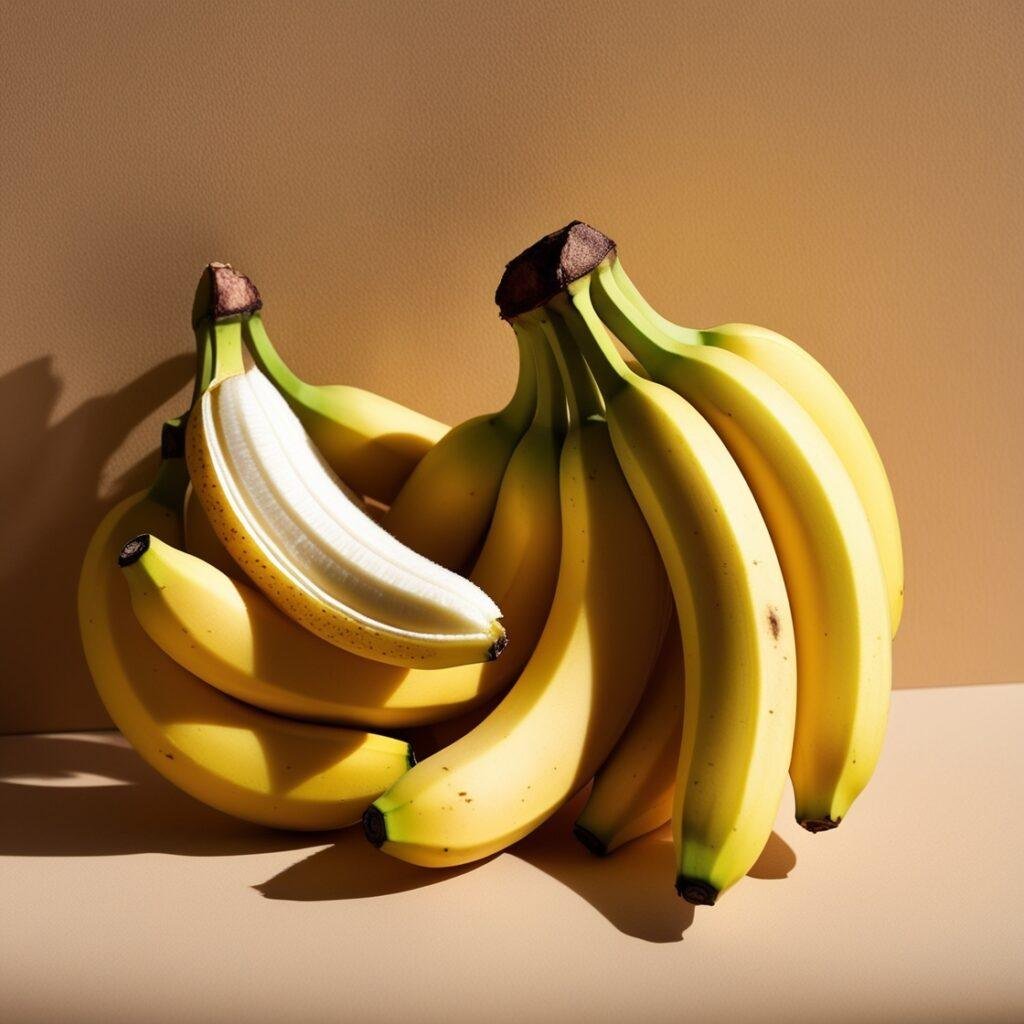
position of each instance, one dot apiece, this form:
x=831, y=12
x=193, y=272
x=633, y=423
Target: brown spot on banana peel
x=773, y=623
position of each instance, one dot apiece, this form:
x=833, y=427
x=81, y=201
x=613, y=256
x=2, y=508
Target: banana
x=371, y=442
x=825, y=545
x=633, y=791
x=446, y=505
x=827, y=404
x=231, y=637
x=300, y=536
x=565, y=712
x=201, y=541
x=241, y=761
x=730, y=597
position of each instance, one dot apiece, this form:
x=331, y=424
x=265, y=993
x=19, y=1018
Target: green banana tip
x=374, y=826
x=546, y=268
x=696, y=891
x=222, y=292
x=133, y=550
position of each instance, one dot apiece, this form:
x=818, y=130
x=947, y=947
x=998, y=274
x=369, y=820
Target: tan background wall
x=847, y=174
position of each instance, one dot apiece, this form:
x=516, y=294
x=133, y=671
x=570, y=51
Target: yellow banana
x=301, y=536
x=824, y=542
x=230, y=636
x=446, y=505
x=239, y=760
x=633, y=791
x=371, y=442
x=203, y=542
x=827, y=404
x=565, y=712
x=730, y=597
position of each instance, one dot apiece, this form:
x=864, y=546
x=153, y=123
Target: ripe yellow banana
x=301, y=536
x=446, y=505
x=201, y=541
x=239, y=760
x=824, y=542
x=230, y=636
x=633, y=791
x=733, y=612
x=564, y=714
x=371, y=442
x=827, y=404
x=737, y=629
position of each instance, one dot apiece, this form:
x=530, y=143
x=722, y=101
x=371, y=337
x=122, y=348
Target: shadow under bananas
x=90, y=795
x=50, y=475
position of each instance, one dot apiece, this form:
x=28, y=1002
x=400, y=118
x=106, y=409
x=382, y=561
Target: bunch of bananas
x=677, y=577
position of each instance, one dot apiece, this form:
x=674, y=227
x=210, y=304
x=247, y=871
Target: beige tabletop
x=124, y=900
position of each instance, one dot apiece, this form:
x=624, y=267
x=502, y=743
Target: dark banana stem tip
x=696, y=891
x=223, y=292
x=815, y=825
x=494, y=651
x=549, y=266
x=590, y=841
x=133, y=550
x=374, y=826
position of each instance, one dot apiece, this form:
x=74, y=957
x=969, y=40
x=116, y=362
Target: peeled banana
x=232, y=637
x=371, y=442
x=254, y=766
x=301, y=537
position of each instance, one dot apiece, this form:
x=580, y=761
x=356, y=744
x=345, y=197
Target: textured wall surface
x=846, y=174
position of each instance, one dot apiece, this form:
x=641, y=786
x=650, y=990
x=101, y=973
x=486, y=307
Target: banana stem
x=641, y=336
x=551, y=410
x=171, y=481
x=630, y=291
x=168, y=489
x=227, y=348
x=267, y=359
x=204, y=362
x=521, y=407
x=608, y=367
x=580, y=390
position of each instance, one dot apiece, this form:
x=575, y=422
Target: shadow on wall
x=78, y=796
x=50, y=475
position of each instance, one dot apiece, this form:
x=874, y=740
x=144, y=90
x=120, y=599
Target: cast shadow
x=71, y=795
x=91, y=796
x=50, y=490
x=632, y=889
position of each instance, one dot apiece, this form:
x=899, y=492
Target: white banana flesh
x=296, y=531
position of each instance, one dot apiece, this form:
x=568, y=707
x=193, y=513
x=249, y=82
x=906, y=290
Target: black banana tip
x=590, y=841
x=223, y=292
x=696, y=891
x=172, y=439
x=825, y=824
x=374, y=826
x=133, y=550
x=549, y=266
x=494, y=651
